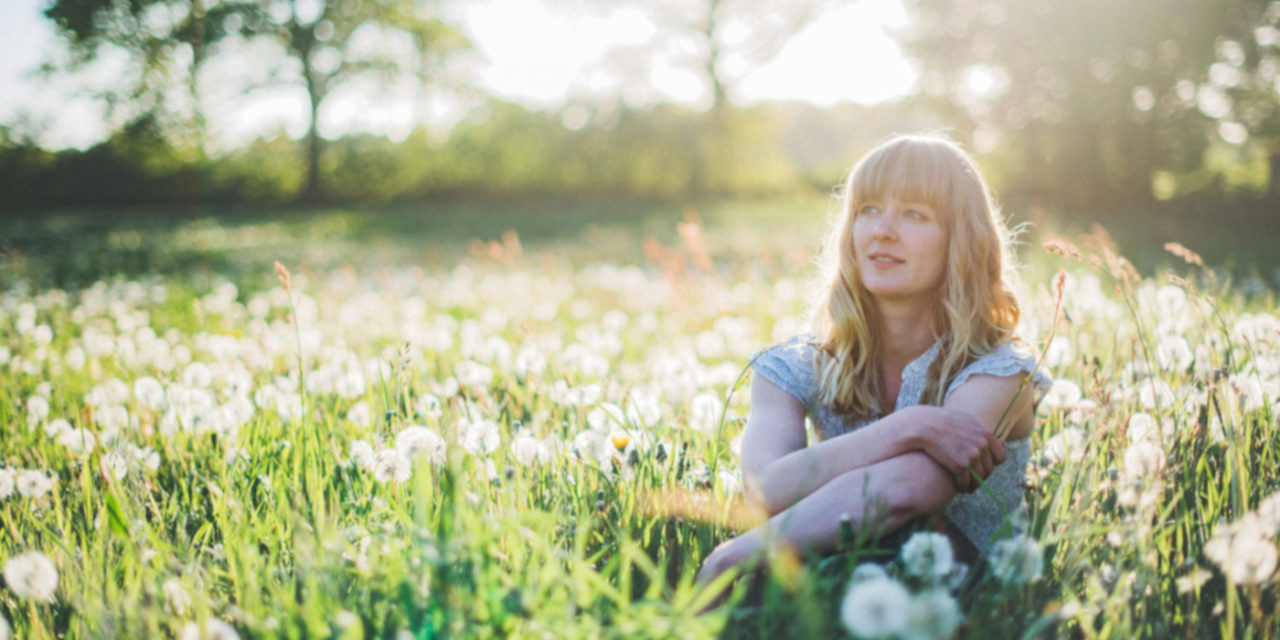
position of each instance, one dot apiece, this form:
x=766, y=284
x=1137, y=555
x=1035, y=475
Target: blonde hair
x=977, y=309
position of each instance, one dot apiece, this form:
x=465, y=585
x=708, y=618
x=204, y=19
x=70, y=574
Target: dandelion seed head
x=933, y=615
x=389, y=465
x=1173, y=353
x=360, y=415
x=1244, y=550
x=869, y=571
x=1062, y=394
x=1060, y=353
x=416, y=440
x=470, y=373
x=1068, y=444
x=176, y=599
x=527, y=450
x=113, y=466
x=1017, y=560
x=704, y=412
x=361, y=454
x=928, y=555
x=214, y=629
x=34, y=484
x=480, y=436
x=31, y=576
x=1143, y=459
x=876, y=609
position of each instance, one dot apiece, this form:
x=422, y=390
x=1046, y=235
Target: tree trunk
x=1273, y=176
x=312, y=190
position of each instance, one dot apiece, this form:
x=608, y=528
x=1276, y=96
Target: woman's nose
x=887, y=225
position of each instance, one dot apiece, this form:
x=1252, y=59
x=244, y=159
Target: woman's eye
x=868, y=210
x=915, y=215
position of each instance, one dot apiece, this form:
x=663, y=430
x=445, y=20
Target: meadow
x=532, y=434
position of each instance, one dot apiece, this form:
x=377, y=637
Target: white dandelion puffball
x=391, y=466
x=417, y=440
x=1060, y=353
x=876, y=609
x=361, y=454
x=1144, y=459
x=8, y=482
x=176, y=599
x=1143, y=427
x=933, y=615
x=1173, y=353
x=149, y=392
x=31, y=576
x=113, y=466
x=33, y=484
x=1062, y=394
x=704, y=412
x=869, y=571
x=1244, y=551
x=606, y=416
x=428, y=406
x=1268, y=511
x=478, y=437
x=55, y=427
x=37, y=411
x=360, y=415
x=473, y=374
x=928, y=555
x=1017, y=560
x=214, y=629
x=527, y=450
x=1068, y=444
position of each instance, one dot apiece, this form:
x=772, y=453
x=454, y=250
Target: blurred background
x=452, y=119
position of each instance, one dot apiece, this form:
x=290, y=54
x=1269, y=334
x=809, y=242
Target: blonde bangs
x=918, y=170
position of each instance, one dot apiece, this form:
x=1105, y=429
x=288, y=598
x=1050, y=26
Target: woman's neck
x=907, y=332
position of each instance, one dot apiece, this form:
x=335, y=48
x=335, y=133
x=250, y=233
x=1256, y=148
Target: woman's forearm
x=798, y=474
x=877, y=499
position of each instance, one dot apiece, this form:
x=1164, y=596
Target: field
x=402, y=432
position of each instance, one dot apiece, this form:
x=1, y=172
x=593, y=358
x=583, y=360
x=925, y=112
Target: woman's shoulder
x=1007, y=359
x=788, y=363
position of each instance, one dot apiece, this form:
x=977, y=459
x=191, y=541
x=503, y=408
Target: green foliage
x=1088, y=99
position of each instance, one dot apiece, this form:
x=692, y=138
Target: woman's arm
x=882, y=495
x=963, y=445
x=774, y=429
x=878, y=498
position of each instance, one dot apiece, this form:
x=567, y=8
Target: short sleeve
x=1006, y=360
x=789, y=365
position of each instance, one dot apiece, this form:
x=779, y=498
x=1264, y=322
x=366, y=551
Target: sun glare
x=530, y=51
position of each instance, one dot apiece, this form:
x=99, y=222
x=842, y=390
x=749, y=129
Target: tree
x=339, y=41
x=165, y=42
x=332, y=42
x=720, y=41
x=1090, y=97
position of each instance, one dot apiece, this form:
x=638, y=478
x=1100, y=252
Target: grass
x=586, y=347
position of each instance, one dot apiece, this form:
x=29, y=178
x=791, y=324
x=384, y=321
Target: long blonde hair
x=977, y=309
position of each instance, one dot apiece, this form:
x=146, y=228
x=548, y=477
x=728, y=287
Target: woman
x=910, y=373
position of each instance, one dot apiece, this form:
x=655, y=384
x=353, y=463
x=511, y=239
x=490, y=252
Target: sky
x=846, y=55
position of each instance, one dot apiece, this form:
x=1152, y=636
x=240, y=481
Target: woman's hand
x=735, y=552
x=729, y=554
x=961, y=444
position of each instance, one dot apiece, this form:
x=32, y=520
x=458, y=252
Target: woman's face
x=901, y=249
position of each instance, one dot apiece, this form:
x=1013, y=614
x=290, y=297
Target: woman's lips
x=883, y=260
